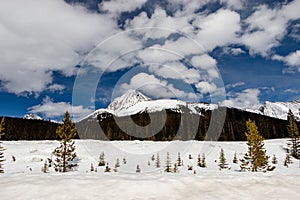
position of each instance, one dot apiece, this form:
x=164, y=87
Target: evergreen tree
x=222, y=161
x=256, y=156
x=203, y=162
x=101, y=159
x=235, y=160
x=293, y=132
x=157, y=162
x=175, y=169
x=117, y=163
x=153, y=157
x=168, y=163
x=179, y=160
x=138, y=169
x=124, y=161
x=45, y=168
x=92, y=167
x=287, y=160
x=2, y=149
x=274, y=160
x=199, y=160
x=65, y=153
x=107, y=168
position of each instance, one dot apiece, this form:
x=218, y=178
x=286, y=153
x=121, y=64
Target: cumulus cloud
x=292, y=60
x=233, y=51
x=207, y=65
x=218, y=29
x=156, y=88
x=267, y=27
x=50, y=109
x=176, y=70
x=38, y=37
x=247, y=99
x=233, y=4
x=116, y=7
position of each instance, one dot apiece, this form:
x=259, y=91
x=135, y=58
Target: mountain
x=133, y=116
x=32, y=116
x=127, y=100
x=133, y=102
x=280, y=109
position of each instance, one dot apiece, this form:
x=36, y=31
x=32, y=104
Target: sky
x=79, y=55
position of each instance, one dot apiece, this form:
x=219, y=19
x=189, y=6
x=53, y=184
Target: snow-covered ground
x=23, y=178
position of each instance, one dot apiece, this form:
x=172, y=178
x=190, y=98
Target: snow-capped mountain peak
x=32, y=116
x=127, y=100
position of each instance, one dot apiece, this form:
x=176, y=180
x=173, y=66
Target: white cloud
x=293, y=91
x=218, y=29
x=51, y=109
x=233, y=4
x=266, y=27
x=292, y=60
x=116, y=7
x=154, y=87
x=234, y=85
x=207, y=66
x=176, y=70
x=248, y=98
x=233, y=51
x=162, y=25
x=56, y=87
x=206, y=87
x=38, y=37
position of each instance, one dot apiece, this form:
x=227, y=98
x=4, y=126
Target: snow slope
x=23, y=178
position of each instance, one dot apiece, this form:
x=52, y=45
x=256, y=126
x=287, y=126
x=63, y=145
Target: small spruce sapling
x=274, y=160
x=138, y=169
x=157, y=162
x=101, y=159
x=222, y=161
x=235, y=160
x=168, y=163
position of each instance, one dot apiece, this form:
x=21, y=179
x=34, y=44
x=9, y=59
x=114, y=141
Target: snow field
x=23, y=178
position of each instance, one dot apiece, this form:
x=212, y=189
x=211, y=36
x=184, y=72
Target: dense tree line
x=183, y=126
x=29, y=129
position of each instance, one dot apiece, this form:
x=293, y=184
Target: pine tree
x=199, y=161
x=117, y=163
x=287, y=160
x=235, y=160
x=153, y=157
x=203, y=162
x=175, y=169
x=65, y=153
x=274, y=160
x=168, y=163
x=138, y=169
x=179, y=160
x=2, y=149
x=45, y=168
x=256, y=156
x=107, y=168
x=157, y=162
x=222, y=161
x=293, y=132
x=124, y=161
x=101, y=159
x=92, y=167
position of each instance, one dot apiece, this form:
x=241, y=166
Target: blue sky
x=78, y=55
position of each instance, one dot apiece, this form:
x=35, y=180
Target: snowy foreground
x=23, y=178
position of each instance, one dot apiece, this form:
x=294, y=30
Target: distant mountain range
x=133, y=102
x=181, y=120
